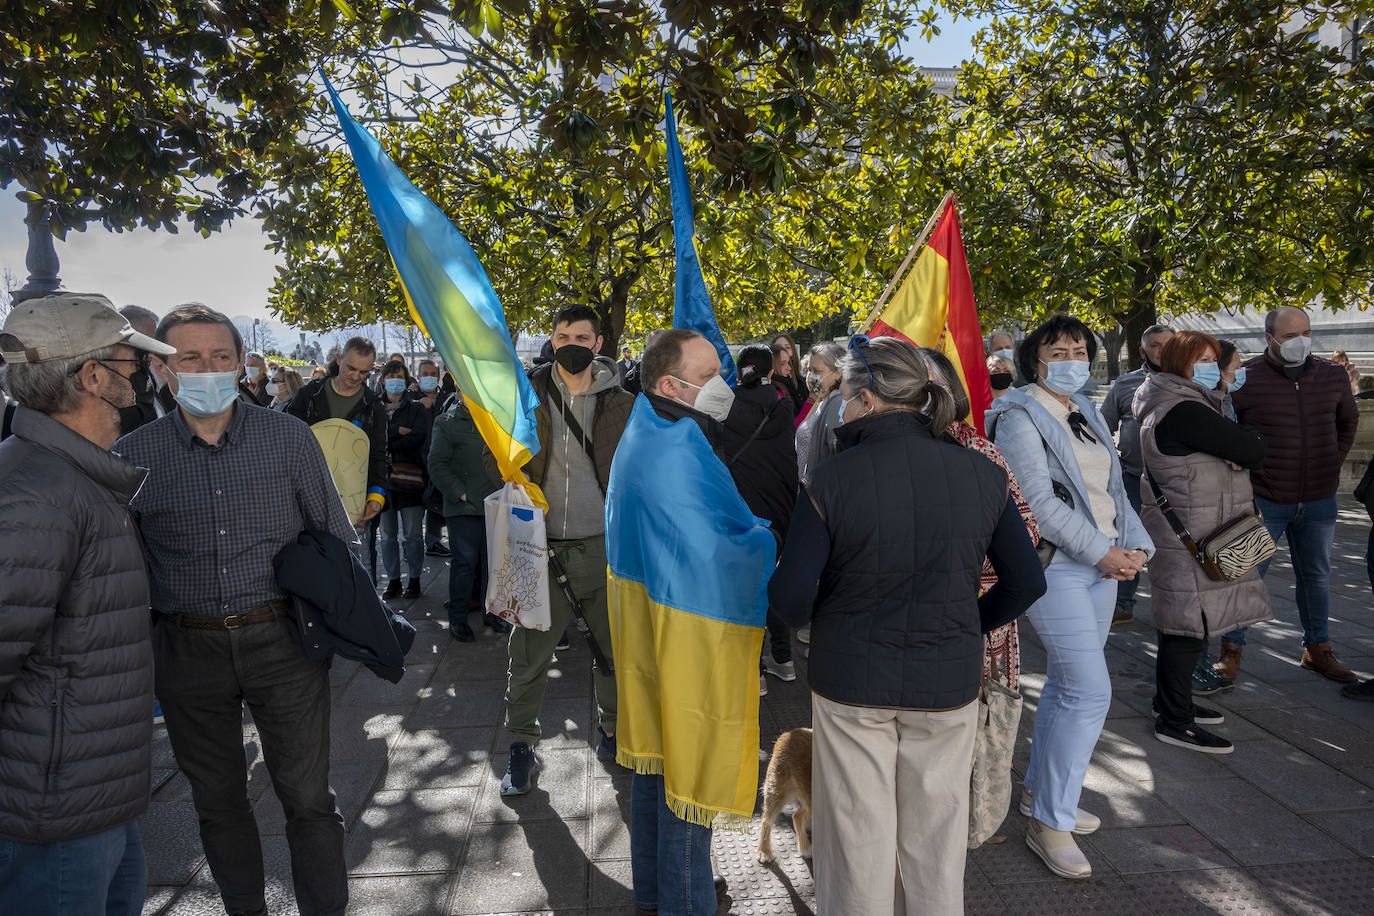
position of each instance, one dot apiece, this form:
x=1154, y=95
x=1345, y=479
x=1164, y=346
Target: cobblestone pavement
x=1284, y=825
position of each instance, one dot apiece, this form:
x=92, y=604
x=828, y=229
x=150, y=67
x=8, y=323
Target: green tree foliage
x=1126, y=158
x=802, y=133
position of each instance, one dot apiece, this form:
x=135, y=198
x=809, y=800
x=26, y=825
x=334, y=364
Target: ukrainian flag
x=688, y=578
x=452, y=301
x=691, y=302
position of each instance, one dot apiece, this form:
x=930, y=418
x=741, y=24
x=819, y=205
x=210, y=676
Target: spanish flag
x=452, y=301
x=934, y=308
x=688, y=580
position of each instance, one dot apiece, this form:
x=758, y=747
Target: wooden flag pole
x=901, y=271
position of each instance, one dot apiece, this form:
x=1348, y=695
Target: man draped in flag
x=691, y=302
x=934, y=308
x=452, y=301
x=689, y=568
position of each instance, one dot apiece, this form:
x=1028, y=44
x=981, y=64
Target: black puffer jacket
x=1308, y=422
x=764, y=466
x=910, y=520
x=76, y=661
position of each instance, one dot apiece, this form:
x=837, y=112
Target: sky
x=232, y=271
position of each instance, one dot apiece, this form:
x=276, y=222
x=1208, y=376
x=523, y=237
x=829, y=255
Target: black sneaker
x=1202, y=715
x=1193, y=739
x=520, y=771
x=438, y=550
x=1207, y=682
x=494, y=626
x=563, y=642
x=393, y=589
x=413, y=589
x=462, y=633
x=605, y=748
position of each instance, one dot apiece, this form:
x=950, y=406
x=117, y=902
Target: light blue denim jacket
x=1037, y=447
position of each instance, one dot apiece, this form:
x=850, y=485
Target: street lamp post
x=41, y=258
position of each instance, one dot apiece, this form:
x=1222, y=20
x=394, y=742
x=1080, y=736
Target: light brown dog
x=788, y=782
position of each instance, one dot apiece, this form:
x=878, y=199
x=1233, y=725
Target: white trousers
x=889, y=802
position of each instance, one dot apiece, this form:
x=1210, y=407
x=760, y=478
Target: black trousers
x=779, y=637
x=434, y=527
x=203, y=679
x=1174, y=666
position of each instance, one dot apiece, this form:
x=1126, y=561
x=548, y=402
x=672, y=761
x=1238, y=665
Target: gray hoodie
x=577, y=507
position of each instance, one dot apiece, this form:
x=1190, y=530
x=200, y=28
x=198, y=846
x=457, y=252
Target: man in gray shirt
x=1118, y=413
x=581, y=415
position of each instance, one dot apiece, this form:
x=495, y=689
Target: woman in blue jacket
x=1061, y=451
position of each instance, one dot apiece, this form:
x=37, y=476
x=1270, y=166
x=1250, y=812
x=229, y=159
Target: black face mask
x=1000, y=380
x=1152, y=366
x=573, y=357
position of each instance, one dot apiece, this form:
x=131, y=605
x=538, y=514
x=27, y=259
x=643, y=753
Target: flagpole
x=901, y=271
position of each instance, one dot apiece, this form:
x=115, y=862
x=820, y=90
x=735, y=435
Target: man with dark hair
x=581, y=415
x=255, y=379
x=1119, y=415
x=346, y=396
x=76, y=665
x=1303, y=407
x=145, y=406
x=217, y=468
x=627, y=361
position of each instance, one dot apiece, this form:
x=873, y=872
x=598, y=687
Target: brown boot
x=1229, y=664
x=1319, y=658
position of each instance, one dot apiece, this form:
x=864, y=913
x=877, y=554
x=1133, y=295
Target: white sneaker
x=783, y=671
x=804, y=635
x=1058, y=851
x=763, y=686
x=1084, y=823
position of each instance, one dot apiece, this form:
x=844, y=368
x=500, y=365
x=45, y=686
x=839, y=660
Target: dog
x=788, y=783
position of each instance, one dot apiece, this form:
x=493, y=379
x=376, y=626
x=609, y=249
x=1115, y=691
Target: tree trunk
x=1111, y=344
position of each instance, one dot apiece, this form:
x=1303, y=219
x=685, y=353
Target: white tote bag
x=517, y=559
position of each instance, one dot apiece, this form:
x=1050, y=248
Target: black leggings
x=1174, y=666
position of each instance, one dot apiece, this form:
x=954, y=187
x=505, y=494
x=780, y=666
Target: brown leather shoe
x=1320, y=659
x=1228, y=666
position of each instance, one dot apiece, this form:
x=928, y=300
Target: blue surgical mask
x=207, y=394
x=429, y=383
x=1240, y=380
x=844, y=404
x=252, y=371
x=1005, y=354
x=394, y=385
x=1066, y=376
x=1208, y=375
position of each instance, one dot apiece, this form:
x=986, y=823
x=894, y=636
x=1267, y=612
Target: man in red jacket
x=1303, y=406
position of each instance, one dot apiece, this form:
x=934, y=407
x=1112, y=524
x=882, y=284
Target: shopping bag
x=517, y=559
x=999, y=714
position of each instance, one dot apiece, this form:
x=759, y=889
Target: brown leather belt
x=269, y=611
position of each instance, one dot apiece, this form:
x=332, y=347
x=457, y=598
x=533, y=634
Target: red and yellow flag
x=934, y=308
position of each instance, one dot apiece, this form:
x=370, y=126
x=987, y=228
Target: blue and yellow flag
x=452, y=301
x=688, y=580
x=691, y=302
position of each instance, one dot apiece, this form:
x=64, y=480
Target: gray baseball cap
x=65, y=325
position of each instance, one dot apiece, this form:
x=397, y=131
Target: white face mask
x=713, y=399
x=272, y=389
x=1296, y=349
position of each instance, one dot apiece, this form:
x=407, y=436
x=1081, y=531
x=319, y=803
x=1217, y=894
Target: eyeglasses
x=102, y=362
x=856, y=345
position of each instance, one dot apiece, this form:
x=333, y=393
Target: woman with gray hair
x=887, y=572
x=816, y=434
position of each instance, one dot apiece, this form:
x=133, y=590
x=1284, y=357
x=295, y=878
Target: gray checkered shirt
x=213, y=517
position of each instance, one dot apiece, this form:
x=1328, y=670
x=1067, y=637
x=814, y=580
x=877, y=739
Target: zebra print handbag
x=1227, y=553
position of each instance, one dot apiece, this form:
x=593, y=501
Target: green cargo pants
x=531, y=651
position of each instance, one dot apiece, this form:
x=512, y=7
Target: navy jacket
x=337, y=608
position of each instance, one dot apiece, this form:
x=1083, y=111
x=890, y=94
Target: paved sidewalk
x=1284, y=825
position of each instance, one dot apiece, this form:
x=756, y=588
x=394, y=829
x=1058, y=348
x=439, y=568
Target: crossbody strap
x=556, y=397
x=1165, y=509
x=768, y=415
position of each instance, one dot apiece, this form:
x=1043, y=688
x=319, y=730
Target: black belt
x=269, y=611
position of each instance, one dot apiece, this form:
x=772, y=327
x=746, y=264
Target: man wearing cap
x=76, y=665
x=218, y=466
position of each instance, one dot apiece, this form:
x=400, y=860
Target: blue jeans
x=670, y=859
x=367, y=536
x=412, y=522
x=100, y=875
x=467, y=567
x=1072, y=620
x=1311, y=529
